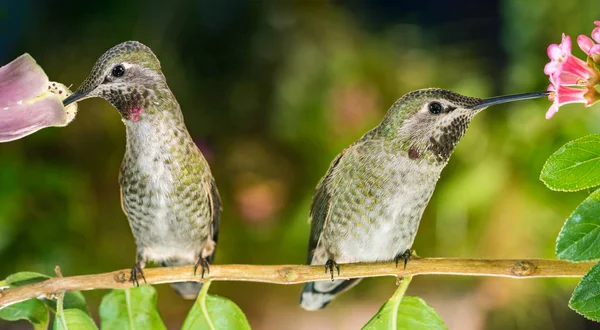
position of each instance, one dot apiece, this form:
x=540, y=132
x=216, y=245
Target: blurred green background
x=272, y=91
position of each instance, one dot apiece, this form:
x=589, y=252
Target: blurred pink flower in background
x=573, y=80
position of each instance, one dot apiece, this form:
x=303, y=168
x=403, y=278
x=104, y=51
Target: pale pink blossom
x=29, y=101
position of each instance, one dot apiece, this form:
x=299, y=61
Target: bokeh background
x=272, y=91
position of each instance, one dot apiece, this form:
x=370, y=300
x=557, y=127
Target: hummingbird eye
x=435, y=108
x=118, y=71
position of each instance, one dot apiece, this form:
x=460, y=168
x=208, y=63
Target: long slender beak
x=74, y=97
x=508, y=98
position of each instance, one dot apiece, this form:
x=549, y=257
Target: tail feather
x=317, y=295
x=187, y=290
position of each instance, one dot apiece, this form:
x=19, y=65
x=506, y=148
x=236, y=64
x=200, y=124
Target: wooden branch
x=292, y=274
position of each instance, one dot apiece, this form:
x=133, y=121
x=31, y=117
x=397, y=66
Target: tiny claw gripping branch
x=137, y=271
x=329, y=265
x=406, y=256
x=205, y=266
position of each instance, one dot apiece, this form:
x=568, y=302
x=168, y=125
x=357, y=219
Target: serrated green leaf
x=580, y=235
x=586, y=297
x=131, y=309
x=405, y=313
x=214, y=313
x=32, y=310
x=73, y=319
x=575, y=166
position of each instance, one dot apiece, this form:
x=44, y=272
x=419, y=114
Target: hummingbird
x=168, y=193
x=368, y=206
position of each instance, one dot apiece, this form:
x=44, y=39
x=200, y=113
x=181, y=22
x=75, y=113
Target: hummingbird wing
x=320, y=208
x=215, y=211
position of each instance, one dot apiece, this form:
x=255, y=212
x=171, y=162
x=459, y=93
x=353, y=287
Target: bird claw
x=406, y=256
x=205, y=266
x=329, y=265
x=135, y=272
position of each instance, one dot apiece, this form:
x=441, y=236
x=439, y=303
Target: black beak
x=508, y=98
x=74, y=97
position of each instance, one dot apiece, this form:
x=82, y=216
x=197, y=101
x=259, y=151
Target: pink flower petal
x=566, y=95
x=21, y=79
x=554, y=52
x=18, y=121
x=552, y=110
x=595, y=49
x=568, y=78
x=28, y=101
x=585, y=43
x=579, y=68
x=551, y=68
x=596, y=34
x=565, y=44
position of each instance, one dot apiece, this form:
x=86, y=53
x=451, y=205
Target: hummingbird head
x=430, y=122
x=127, y=75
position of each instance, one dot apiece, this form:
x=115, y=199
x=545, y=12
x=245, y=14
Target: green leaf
x=73, y=299
x=586, y=297
x=214, y=313
x=580, y=236
x=23, y=278
x=32, y=310
x=575, y=166
x=73, y=319
x=407, y=313
x=133, y=308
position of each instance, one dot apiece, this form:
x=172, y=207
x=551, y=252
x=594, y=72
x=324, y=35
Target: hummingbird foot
x=329, y=265
x=406, y=256
x=205, y=266
x=137, y=271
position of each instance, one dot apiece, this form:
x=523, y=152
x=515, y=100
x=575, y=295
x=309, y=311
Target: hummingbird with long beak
x=368, y=206
x=167, y=190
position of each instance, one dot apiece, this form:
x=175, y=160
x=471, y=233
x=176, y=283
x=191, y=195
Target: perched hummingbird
x=368, y=206
x=167, y=190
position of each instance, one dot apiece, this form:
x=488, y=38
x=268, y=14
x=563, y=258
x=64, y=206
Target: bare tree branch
x=293, y=274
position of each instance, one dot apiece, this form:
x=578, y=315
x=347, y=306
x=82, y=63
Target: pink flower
x=28, y=101
x=558, y=54
x=567, y=68
x=572, y=79
x=589, y=46
x=565, y=95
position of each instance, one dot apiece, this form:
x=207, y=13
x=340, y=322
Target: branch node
x=523, y=268
x=51, y=295
x=399, y=280
x=288, y=274
x=58, y=271
x=121, y=277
